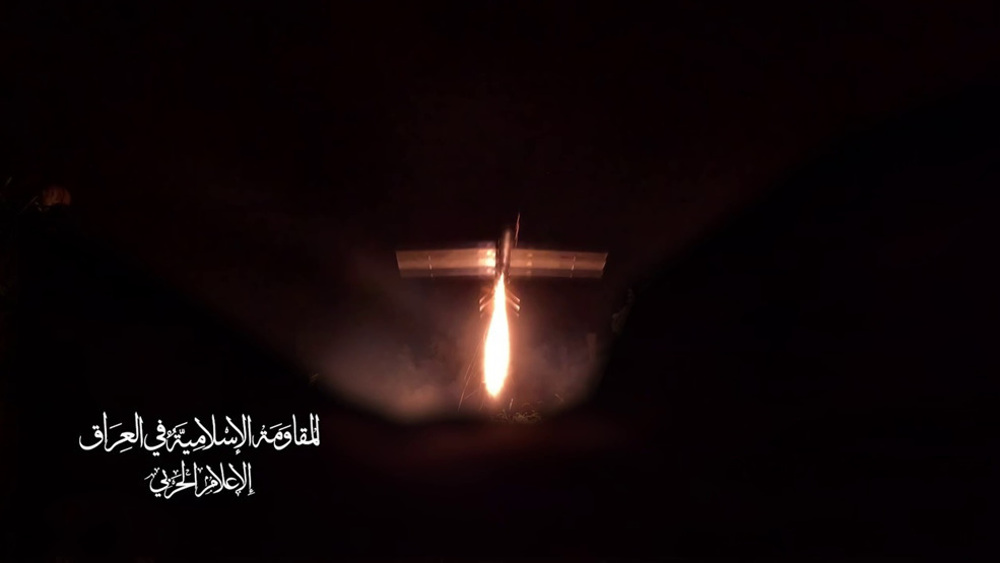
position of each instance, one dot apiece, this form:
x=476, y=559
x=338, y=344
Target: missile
x=504, y=257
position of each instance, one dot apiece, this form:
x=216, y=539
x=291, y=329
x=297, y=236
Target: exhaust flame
x=496, y=355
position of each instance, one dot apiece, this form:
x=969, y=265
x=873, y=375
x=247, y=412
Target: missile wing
x=538, y=263
x=476, y=262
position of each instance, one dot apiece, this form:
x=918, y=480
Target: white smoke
x=388, y=375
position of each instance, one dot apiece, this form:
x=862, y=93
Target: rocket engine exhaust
x=499, y=261
x=496, y=354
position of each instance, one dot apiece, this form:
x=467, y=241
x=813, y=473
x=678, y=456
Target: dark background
x=810, y=373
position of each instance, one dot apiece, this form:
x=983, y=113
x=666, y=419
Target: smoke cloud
x=408, y=381
x=412, y=351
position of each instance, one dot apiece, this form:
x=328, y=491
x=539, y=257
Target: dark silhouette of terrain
x=815, y=378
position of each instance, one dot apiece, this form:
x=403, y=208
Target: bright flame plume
x=496, y=355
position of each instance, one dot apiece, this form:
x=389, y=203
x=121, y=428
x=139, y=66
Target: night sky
x=255, y=155
x=265, y=160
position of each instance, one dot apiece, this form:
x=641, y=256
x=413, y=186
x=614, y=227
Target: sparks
x=496, y=356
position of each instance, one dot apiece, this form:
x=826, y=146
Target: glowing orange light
x=496, y=356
